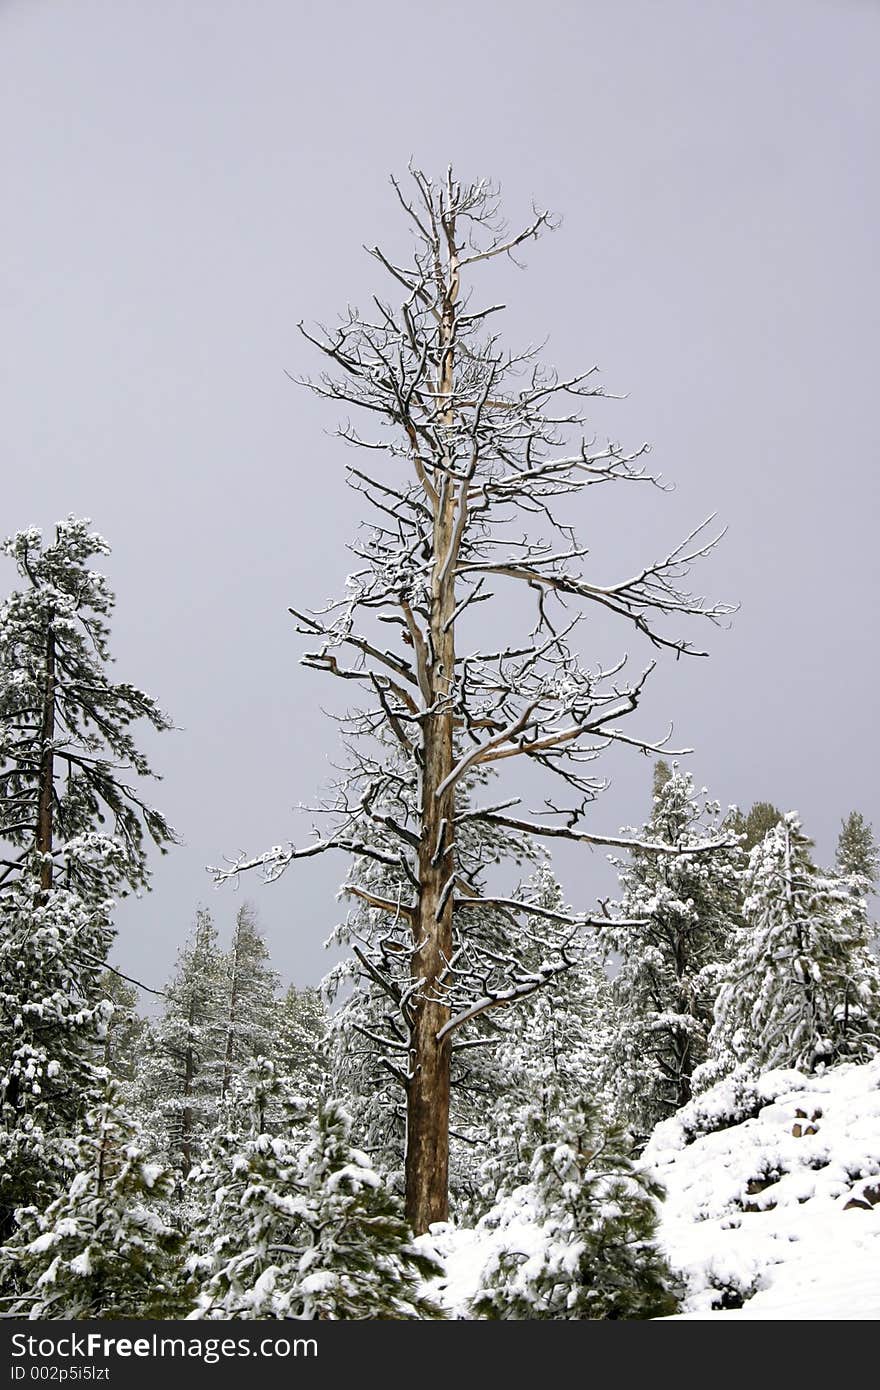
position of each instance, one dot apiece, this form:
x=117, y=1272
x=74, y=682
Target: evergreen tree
x=125, y=1028
x=857, y=852
x=184, y=1052
x=66, y=759
x=588, y=1219
x=551, y=1055
x=760, y=819
x=678, y=915
x=306, y=1230
x=251, y=986
x=66, y=751
x=802, y=988
x=102, y=1249
x=662, y=774
x=52, y=1020
x=299, y=1048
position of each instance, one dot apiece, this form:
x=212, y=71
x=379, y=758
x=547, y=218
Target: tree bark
x=427, y=1126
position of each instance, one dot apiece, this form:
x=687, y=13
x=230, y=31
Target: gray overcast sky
x=185, y=180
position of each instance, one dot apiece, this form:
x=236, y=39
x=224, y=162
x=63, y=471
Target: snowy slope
x=781, y=1210
x=773, y=1201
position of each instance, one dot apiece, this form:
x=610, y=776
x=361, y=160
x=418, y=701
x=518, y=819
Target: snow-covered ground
x=778, y=1212
x=782, y=1209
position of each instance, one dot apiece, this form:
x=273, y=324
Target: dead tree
x=474, y=450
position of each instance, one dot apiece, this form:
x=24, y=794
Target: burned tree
x=478, y=447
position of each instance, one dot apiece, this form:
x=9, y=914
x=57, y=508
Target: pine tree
x=303, y=1229
x=184, y=1052
x=251, y=987
x=760, y=819
x=662, y=774
x=553, y=1053
x=66, y=750
x=52, y=1020
x=66, y=759
x=679, y=913
x=102, y=1249
x=299, y=1048
x=588, y=1219
x=857, y=851
x=125, y=1028
x=802, y=988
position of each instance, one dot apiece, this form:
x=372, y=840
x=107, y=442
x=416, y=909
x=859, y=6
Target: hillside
x=781, y=1211
x=773, y=1201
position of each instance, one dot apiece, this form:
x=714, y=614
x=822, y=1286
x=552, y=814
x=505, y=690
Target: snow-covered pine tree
x=577, y=1240
x=550, y=1055
x=66, y=751
x=299, y=1048
x=359, y=1259
x=761, y=817
x=801, y=989
x=301, y=1228
x=102, y=1249
x=52, y=1024
x=857, y=851
x=251, y=989
x=125, y=1028
x=678, y=915
x=483, y=453
x=181, y=1071
x=66, y=762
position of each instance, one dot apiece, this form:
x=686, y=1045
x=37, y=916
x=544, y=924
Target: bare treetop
x=471, y=455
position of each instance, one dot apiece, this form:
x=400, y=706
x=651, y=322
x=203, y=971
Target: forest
x=494, y=1065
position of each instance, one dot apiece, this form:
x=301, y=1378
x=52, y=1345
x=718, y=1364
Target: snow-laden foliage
x=578, y=1239
x=779, y=1211
x=802, y=988
x=182, y=1056
x=52, y=1020
x=547, y=1056
x=118, y=1051
x=64, y=722
x=103, y=1249
x=250, y=988
x=73, y=826
x=677, y=918
x=302, y=1226
x=857, y=850
x=299, y=1044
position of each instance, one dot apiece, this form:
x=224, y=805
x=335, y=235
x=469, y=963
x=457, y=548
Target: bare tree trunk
x=46, y=789
x=427, y=1134
x=488, y=435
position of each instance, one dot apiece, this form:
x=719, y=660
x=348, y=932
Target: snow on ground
x=778, y=1212
x=781, y=1210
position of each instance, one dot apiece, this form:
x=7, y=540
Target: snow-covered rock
x=772, y=1208
x=778, y=1212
